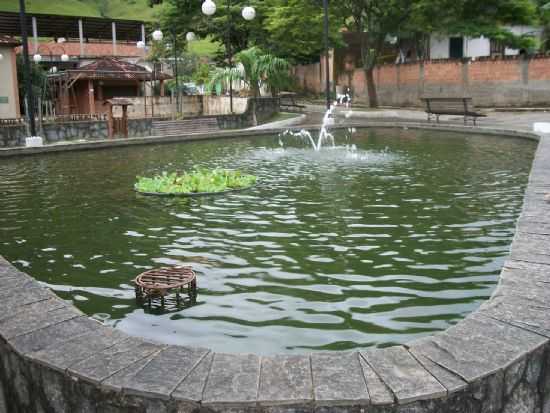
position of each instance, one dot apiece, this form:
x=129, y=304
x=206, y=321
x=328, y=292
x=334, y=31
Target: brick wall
x=491, y=82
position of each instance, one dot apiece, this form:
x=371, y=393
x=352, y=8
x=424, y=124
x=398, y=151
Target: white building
x=457, y=47
x=9, y=93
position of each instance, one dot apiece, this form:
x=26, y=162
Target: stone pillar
x=161, y=88
x=91, y=97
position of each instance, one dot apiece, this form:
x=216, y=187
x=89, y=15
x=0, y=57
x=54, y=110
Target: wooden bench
x=463, y=106
x=288, y=101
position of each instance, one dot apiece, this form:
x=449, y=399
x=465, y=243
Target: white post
x=143, y=35
x=81, y=36
x=114, y=38
x=35, y=34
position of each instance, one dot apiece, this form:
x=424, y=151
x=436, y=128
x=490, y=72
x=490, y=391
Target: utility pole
x=230, y=54
x=327, y=64
x=27, y=66
x=176, y=71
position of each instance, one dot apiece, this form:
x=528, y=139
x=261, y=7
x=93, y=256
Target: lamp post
x=27, y=66
x=158, y=36
x=248, y=13
x=327, y=64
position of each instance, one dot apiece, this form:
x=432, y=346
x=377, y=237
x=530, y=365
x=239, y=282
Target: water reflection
x=387, y=237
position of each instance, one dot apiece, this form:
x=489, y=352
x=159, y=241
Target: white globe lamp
x=37, y=58
x=157, y=35
x=140, y=44
x=208, y=7
x=249, y=13
x=190, y=36
x=64, y=57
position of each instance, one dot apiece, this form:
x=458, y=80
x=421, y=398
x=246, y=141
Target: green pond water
x=395, y=238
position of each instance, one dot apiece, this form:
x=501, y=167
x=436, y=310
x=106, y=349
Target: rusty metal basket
x=160, y=282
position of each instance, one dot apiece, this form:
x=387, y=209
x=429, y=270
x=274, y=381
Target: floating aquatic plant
x=196, y=181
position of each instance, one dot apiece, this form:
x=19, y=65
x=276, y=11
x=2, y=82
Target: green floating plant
x=197, y=181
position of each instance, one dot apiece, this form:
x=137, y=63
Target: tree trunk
x=371, y=87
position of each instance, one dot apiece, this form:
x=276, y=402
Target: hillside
x=117, y=9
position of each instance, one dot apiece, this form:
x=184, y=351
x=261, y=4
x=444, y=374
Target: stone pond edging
x=53, y=358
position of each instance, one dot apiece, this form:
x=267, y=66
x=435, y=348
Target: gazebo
x=86, y=89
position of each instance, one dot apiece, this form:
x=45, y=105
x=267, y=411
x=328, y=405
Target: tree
x=378, y=20
x=289, y=28
x=256, y=68
x=295, y=29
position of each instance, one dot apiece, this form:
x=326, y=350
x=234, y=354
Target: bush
x=198, y=181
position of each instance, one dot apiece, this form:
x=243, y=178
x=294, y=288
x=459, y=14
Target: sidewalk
x=521, y=120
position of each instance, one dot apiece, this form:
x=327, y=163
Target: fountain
x=324, y=134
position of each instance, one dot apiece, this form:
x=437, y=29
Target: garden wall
x=504, y=82
x=497, y=360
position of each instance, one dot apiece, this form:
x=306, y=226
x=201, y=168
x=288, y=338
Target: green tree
x=295, y=28
x=378, y=20
x=257, y=68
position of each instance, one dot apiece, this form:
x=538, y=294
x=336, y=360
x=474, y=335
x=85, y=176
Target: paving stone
x=233, y=380
x=531, y=248
x=530, y=315
x=379, y=393
x=477, y=348
x=407, y=379
x=162, y=374
x=285, y=380
x=338, y=380
x=36, y=316
x=54, y=335
x=103, y=365
x=192, y=388
x=67, y=353
x=13, y=302
x=451, y=381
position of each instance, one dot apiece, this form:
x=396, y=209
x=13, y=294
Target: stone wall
x=257, y=111
x=497, y=360
x=11, y=136
x=54, y=132
x=505, y=82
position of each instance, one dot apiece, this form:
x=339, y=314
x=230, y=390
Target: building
x=84, y=90
x=458, y=47
x=9, y=93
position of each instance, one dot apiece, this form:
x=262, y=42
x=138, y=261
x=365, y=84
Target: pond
x=389, y=236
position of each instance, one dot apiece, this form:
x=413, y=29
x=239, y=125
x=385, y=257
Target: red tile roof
x=90, y=49
x=9, y=41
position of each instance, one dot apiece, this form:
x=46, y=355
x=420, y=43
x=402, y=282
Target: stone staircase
x=185, y=126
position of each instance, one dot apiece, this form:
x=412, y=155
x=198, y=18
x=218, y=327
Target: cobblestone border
x=55, y=359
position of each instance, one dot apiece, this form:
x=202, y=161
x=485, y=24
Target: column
x=113, y=24
x=91, y=97
x=35, y=34
x=81, y=36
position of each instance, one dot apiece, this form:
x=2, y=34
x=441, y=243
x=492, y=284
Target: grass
x=203, y=47
x=197, y=181
x=116, y=9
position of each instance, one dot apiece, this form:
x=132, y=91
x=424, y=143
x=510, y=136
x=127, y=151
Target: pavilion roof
x=9, y=41
x=111, y=69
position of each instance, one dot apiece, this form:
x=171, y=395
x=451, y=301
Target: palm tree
x=255, y=68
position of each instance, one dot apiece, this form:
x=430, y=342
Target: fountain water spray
x=324, y=134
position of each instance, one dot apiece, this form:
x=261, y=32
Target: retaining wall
x=497, y=360
x=504, y=82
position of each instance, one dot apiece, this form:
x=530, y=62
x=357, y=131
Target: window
x=456, y=47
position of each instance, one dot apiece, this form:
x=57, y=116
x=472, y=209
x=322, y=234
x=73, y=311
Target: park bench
x=462, y=106
x=288, y=102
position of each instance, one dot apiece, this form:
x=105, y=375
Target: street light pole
x=176, y=71
x=27, y=66
x=230, y=54
x=327, y=64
